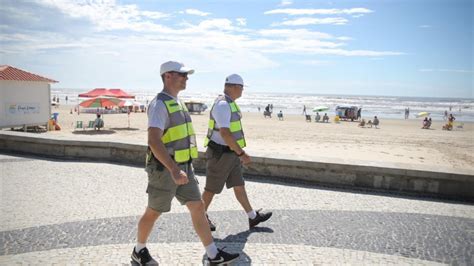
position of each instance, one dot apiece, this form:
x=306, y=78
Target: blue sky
x=392, y=47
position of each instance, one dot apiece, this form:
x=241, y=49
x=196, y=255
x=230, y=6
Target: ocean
x=392, y=107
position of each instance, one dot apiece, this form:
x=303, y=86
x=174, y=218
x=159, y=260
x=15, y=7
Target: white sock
x=252, y=214
x=211, y=251
x=139, y=246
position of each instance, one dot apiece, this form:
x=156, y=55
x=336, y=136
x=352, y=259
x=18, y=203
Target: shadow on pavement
x=124, y=128
x=237, y=244
x=94, y=132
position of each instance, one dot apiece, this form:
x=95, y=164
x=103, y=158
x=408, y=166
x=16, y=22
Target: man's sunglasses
x=184, y=75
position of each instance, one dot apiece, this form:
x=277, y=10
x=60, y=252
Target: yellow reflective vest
x=179, y=137
x=235, y=124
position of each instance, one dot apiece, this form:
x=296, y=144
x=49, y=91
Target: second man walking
x=225, y=155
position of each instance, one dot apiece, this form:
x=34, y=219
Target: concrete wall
x=458, y=185
x=24, y=103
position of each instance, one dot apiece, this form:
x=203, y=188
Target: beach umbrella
x=422, y=114
x=101, y=101
x=320, y=108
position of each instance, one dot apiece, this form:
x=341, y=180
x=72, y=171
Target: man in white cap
x=225, y=154
x=171, y=148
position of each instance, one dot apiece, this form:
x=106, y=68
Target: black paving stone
x=428, y=237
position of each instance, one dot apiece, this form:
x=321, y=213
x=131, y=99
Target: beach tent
x=25, y=98
x=95, y=93
x=118, y=93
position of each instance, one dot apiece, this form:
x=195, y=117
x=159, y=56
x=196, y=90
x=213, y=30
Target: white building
x=25, y=98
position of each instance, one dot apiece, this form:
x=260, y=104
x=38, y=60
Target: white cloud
x=213, y=41
x=285, y=3
x=35, y=41
x=299, y=12
x=295, y=34
x=241, y=21
x=312, y=21
x=107, y=15
x=446, y=70
x=154, y=14
x=344, y=38
x=196, y=12
x=222, y=24
x=425, y=26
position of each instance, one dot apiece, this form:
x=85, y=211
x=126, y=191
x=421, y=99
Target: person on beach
x=225, y=153
x=280, y=115
x=425, y=123
x=304, y=109
x=98, y=123
x=325, y=118
x=450, y=124
x=171, y=148
x=376, y=122
x=317, y=117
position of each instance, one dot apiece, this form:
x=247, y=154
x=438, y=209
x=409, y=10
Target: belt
x=219, y=147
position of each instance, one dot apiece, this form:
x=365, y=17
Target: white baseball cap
x=234, y=79
x=175, y=67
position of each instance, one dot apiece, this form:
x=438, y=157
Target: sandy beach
x=395, y=142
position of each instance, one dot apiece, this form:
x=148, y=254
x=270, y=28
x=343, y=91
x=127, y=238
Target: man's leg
x=255, y=217
x=207, y=197
x=201, y=226
x=140, y=254
x=146, y=223
x=241, y=196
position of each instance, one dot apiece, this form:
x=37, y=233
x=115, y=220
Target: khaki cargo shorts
x=222, y=168
x=162, y=189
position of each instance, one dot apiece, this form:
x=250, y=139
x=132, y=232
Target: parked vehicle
x=347, y=112
x=195, y=107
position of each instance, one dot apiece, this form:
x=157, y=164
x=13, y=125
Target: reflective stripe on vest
x=235, y=123
x=179, y=138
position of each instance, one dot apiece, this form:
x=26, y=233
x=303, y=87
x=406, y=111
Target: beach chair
x=90, y=125
x=308, y=118
x=79, y=125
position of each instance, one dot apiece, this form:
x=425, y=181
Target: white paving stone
x=192, y=254
x=41, y=192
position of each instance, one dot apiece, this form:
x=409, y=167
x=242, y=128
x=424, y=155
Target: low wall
x=444, y=184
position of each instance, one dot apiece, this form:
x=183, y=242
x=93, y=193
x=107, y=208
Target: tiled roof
x=12, y=73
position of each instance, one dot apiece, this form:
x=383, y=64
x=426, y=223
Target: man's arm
x=161, y=154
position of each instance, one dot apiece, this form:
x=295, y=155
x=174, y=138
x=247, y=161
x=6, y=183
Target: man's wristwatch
x=241, y=154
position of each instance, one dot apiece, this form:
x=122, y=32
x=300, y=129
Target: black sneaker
x=222, y=258
x=143, y=257
x=261, y=217
x=211, y=225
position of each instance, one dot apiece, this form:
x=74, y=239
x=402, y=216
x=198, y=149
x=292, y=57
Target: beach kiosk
x=25, y=98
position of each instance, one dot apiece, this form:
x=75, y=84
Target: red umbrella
x=101, y=102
